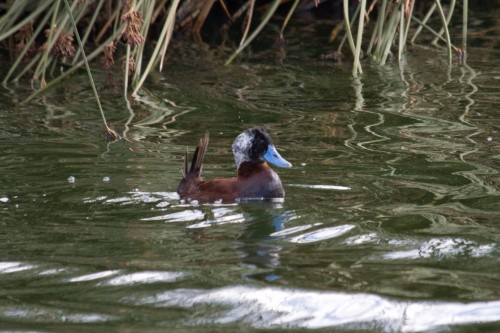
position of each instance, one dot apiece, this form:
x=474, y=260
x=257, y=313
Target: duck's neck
x=247, y=169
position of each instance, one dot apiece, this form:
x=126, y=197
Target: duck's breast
x=264, y=184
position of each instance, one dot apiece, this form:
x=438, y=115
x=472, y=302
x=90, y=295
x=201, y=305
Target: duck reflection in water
x=259, y=247
x=253, y=229
x=255, y=179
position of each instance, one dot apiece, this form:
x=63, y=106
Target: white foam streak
x=322, y=234
x=322, y=187
x=287, y=308
x=144, y=277
x=13, y=267
x=182, y=216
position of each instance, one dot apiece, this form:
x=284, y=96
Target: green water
x=390, y=221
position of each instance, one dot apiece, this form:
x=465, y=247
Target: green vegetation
x=105, y=25
x=41, y=34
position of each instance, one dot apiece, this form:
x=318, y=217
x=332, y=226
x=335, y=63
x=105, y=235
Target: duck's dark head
x=255, y=145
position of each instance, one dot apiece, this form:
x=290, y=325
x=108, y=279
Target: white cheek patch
x=241, y=147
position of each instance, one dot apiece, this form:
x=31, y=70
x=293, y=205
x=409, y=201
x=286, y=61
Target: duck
x=253, y=150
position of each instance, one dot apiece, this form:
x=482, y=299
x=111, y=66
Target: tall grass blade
x=401, y=33
x=448, y=19
x=464, y=30
x=55, y=30
x=249, y=21
x=113, y=18
x=15, y=10
x=288, y=16
x=74, y=68
x=149, y=12
x=374, y=39
x=351, y=22
x=43, y=64
x=357, y=65
x=382, y=18
x=429, y=29
x=388, y=37
x=267, y=16
x=410, y=15
x=111, y=134
x=447, y=33
x=202, y=16
x=31, y=16
x=126, y=72
x=28, y=67
x=90, y=26
x=170, y=23
x=164, y=36
x=424, y=21
x=28, y=45
x=348, y=27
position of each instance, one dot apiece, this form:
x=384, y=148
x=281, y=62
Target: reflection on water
x=283, y=307
x=440, y=248
x=390, y=221
x=321, y=234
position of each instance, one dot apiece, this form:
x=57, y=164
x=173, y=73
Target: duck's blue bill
x=273, y=157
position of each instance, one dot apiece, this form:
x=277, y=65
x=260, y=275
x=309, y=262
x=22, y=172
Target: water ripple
x=291, y=308
x=445, y=247
x=145, y=277
x=12, y=267
x=292, y=230
x=220, y=215
x=322, y=234
x=161, y=198
x=182, y=216
x=119, y=278
x=363, y=239
x=94, y=276
x=49, y=315
x=322, y=187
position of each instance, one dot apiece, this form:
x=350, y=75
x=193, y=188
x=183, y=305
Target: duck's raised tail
x=198, y=156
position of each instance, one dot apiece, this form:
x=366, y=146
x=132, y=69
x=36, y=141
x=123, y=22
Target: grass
x=41, y=34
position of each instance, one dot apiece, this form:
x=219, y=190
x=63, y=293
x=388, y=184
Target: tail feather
x=198, y=156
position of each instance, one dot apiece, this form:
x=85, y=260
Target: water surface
x=390, y=221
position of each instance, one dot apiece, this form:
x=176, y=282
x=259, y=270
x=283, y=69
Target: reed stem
x=448, y=19
x=72, y=69
x=447, y=33
x=28, y=45
x=465, y=19
x=26, y=20
x=267, y=16
x=288, y=16
x=165, y=36
x=111, y=134
x=401, y=33
x=382, y=18
x=348, y=27
x=351, y=22
x=89, y=28
x=357, y=65
x=424, y=21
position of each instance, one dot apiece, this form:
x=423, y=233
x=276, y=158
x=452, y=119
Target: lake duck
x=255, y=179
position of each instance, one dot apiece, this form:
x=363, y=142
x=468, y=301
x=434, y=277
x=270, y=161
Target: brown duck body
x=255, y=179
